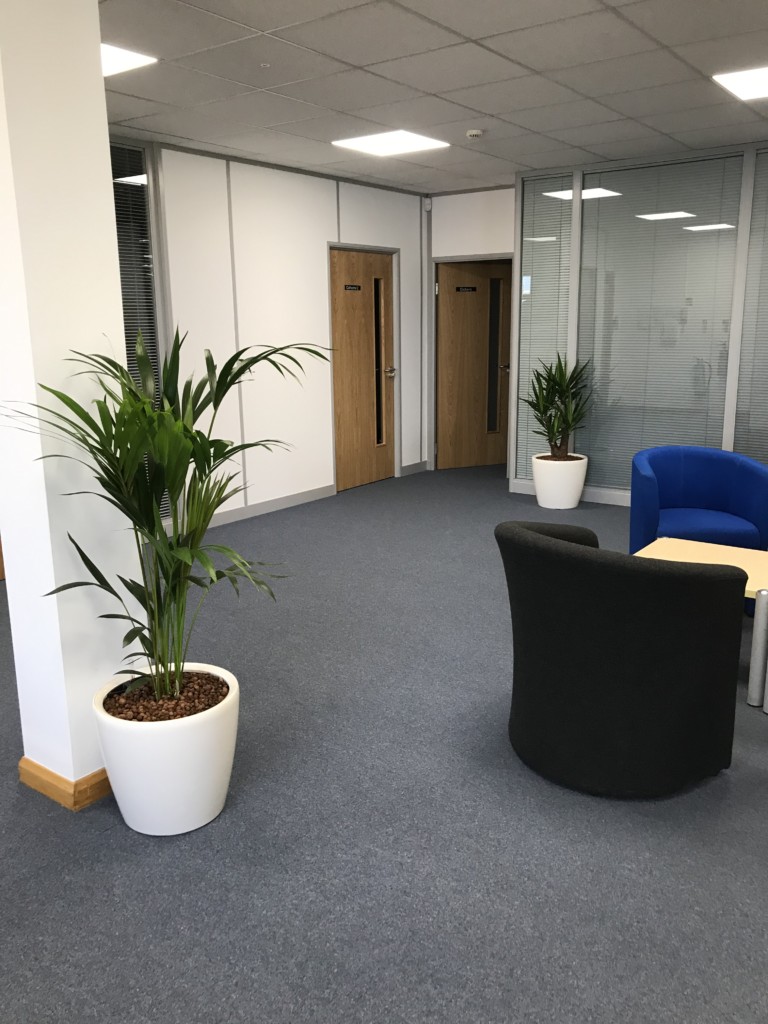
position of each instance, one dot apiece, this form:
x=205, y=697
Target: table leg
x=759, y=657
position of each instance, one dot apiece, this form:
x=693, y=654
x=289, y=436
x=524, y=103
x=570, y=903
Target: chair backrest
x=625, y=668
x=689, y=476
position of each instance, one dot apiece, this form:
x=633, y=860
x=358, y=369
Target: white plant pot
x=170, y=777
x=559, y=483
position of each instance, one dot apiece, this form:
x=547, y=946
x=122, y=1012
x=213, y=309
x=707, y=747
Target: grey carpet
x=383, y=855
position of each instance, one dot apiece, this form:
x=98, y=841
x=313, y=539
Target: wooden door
x=473, y=325
x=363, y=366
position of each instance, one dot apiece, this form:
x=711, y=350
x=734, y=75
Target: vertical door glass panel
x=129, y=186
x=377, y=364
x=545, y=259
x=752, y=405
x=494, y=326
x=655, y=307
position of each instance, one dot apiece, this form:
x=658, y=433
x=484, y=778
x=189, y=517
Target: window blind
x=752, y=404
x=129, y=184
x=655, y=307
x=545, y=263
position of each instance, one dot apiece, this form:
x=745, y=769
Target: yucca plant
x=560, y=400
x=146, y=445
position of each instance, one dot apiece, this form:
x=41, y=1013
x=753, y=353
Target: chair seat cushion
x=707, y=525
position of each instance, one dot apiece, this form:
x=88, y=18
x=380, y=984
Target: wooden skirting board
x=74, y=795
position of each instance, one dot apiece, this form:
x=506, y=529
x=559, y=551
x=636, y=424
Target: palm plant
x=560, y=400
x=145, y=446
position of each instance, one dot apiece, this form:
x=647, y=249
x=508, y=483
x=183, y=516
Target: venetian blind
x=545, y=265
x=752, y=404
x=129, y=184
x=655, y=307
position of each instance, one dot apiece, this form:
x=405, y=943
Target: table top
x=754, y=563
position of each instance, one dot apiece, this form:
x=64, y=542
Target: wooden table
x=755, y=564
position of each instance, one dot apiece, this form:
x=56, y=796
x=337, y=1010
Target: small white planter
x=170, y=777
x=559, y=483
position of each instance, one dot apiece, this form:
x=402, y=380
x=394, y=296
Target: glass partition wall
x=657, y=276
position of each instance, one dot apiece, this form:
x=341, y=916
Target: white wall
x=282, y=224
x=199, y=261
x=59, y=290
x=473, y=224
x=248, y=264
x=374, y=217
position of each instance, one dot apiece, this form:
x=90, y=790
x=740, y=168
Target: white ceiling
x=552, y=83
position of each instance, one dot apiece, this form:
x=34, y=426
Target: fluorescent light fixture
x=586, y=193
x=747, y=85
x=391, y=143
x=710, y=227
x=542, y=238
x=133, y=179
x=114, y=60
x=675, y=215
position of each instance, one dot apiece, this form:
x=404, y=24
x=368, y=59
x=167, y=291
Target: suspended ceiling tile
x=453, y=67
x=737, y=134
x=686, y=21
x=421, y=113
x=609, y=131
x=276, y=146
x=190, y=124
x=564, y=115
x=639, y=148
x=349, y=90
x=441, y=158
x=169, y=83
x=333, y=126
x=269, y=14
x=636, y=71
x=723, y=115
x=262, y=62
x=262, y=109
x=455, y=132
x=122, y=108
x=589, y=37
x=482, y=165
x=163, y=28
x=729, y=53
x=491, y=17
x=376, y=32
x=566, y=157
x=665, y=98
x=519, y=148
x=515, y=94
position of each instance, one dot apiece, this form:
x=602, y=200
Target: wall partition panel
x=545, y=270
x=657, y=267
x=752, y=403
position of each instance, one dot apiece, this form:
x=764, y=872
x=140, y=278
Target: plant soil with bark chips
x=200, y=691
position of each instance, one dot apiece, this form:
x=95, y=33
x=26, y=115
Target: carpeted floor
x=384, y=857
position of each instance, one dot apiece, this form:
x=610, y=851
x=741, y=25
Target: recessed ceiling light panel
x=747, y=85
x=114, y=60
x=542, y=238
x=674, y=215
x=391, y=143
x=586, y=193
x=710, y=227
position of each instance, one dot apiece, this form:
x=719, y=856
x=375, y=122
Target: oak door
x=473, y=327
x=363, y=366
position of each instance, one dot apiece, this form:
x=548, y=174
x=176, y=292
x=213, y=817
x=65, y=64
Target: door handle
x=390, y=372
x=504, y=366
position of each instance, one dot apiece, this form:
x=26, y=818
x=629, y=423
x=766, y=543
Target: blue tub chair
x=698, y=494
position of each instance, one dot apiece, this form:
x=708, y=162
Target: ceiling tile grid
x=550, y=83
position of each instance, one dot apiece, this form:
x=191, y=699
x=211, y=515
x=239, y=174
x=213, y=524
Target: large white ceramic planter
x=170, y=777
x=559, y=483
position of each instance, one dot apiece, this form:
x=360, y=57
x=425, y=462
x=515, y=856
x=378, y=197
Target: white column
x=59, y=290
